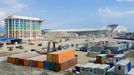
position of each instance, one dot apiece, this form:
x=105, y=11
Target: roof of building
x=103, y=66
x=23, y=17
x=116, y=28
x=123, y=62
x=72, y=30
x=119, y=56
x=6, y=39
x=102, y=55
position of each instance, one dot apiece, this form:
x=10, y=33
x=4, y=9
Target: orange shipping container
x=37, y=61
x=12, y=58
x=62, y=55
x=23, y=58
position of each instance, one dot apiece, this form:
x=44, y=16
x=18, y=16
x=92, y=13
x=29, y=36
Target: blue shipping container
x=129, y=66
x=46, y=65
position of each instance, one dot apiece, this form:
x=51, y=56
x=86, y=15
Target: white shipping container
x=121, y=67
x=119, y=57
x=83, y=68
x=102, y=69
x=88, y=68
x=102, y=57
x=91, y=69
x=111, y=71
x=131, y=72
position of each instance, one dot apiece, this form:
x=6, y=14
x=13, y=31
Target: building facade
x=26, y=28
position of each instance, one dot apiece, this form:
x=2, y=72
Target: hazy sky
x=72, y=13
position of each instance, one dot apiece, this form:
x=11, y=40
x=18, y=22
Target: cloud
x=2, y=16
x=63, y=23
x=10, y=7
x=107, y=12
x=125, y=0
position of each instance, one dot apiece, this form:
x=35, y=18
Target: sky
x=72, y=14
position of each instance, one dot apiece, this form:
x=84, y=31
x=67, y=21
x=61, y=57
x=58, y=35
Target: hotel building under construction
x=26, y=28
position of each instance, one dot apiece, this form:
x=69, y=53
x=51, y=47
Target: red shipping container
x=66, y=64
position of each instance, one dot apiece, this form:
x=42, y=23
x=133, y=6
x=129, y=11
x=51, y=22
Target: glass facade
x=23, y=28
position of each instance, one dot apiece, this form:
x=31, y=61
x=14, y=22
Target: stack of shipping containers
x=60, y=60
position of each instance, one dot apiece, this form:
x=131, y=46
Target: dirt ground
x=10, y=69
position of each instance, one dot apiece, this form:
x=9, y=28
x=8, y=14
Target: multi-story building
x=20, y=27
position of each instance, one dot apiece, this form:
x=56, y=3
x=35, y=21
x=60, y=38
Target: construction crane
x=49, y=44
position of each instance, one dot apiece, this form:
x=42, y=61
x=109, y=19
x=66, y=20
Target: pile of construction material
x=55, y=61
x=60, y=60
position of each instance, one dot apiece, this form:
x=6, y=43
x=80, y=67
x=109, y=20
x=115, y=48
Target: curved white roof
x=116, y=28
x=72, y=30
x=120, y=29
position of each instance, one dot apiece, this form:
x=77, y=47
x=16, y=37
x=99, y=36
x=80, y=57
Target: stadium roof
x=71, y=30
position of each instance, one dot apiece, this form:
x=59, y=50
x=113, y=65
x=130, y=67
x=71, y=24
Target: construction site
x=26, y=50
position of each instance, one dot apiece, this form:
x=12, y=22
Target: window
x=72, y=45
x=83, y=69
x=119, y=67
x=117, y=60
x=90, y=70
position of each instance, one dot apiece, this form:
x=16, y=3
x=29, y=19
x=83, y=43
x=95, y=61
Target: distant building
x=94, y=33
x=20, y=27
x=107, y=31
x=116, y=29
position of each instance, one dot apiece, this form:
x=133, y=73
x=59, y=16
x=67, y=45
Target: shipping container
x=131, y=72
x=122, y=67
x=36, y=61
x=102, y=69
x=12, y=58
x=49, y=65
x=78, y=67
x=66, y=64
x=111, y=62
x=119, y=57
x=91, y=69
x=101, y=59
x=20, y=59
x=60, y=56
x=111, y=71
x=88, y=69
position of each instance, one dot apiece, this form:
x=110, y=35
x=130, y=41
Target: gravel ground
x=10, y=69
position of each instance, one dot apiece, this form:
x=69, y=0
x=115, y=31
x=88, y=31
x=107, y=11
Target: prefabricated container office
x=102, y=69
x=119, y=57
x=111, y=71
x=122, y=67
